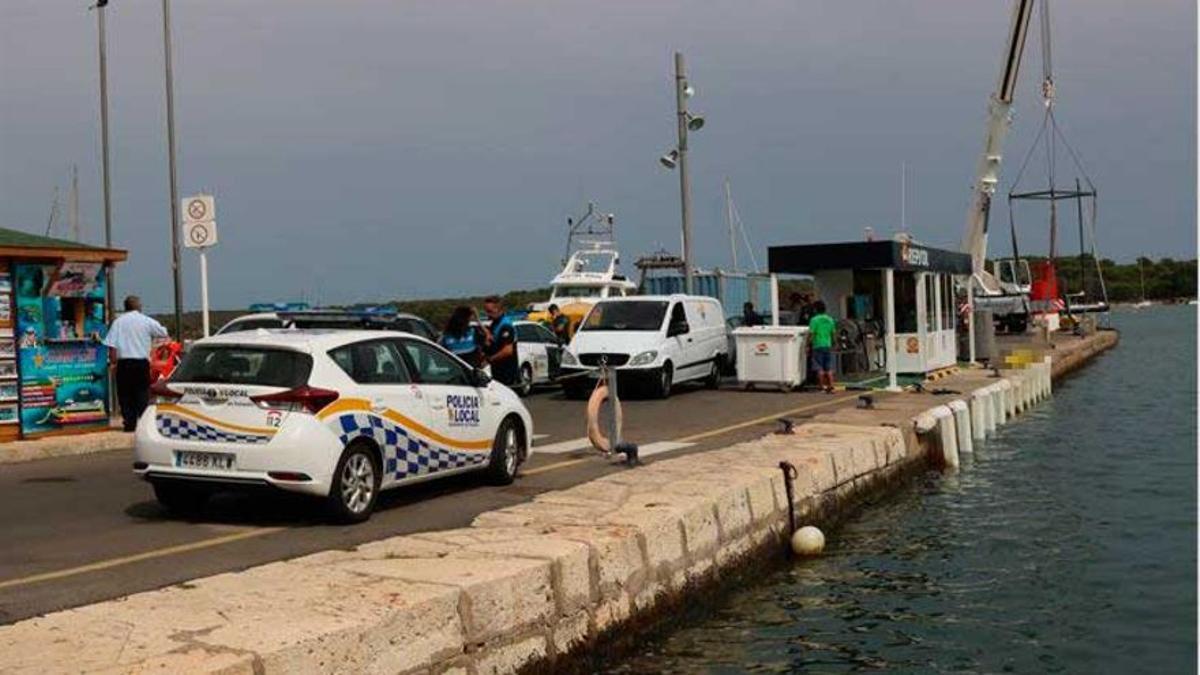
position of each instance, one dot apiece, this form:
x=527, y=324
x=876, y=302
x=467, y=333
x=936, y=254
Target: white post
x=204, y=289
x=889, y=314
x=774, y=299
x=971, y=317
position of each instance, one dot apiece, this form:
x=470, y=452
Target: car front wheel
x=507, y=451
x=665, y=379
x=525, y=386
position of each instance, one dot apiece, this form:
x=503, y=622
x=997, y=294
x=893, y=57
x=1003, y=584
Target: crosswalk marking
x=661, y=447
x=562, y=447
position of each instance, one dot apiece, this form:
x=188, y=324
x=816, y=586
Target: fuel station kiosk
x=904, y=288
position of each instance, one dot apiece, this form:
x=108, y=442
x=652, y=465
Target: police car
x=337, y=414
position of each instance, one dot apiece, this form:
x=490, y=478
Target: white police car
x=336, y=414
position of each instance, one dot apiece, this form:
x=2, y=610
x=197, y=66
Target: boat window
x=577, y=292
x=597, y=262
x=626, y=315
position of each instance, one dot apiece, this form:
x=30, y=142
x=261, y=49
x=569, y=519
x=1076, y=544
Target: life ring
x=595, y=435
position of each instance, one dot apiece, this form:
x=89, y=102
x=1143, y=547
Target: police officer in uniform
x=501, y=350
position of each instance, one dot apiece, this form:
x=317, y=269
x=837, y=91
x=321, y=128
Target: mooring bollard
x=789, y=476
x=962, y=424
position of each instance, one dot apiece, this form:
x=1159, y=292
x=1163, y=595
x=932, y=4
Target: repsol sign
x=914, y=256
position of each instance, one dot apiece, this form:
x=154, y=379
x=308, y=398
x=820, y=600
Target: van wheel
x=508, y=449
x=662, y=386
x=355, y=486
x=180, y=498
x=525, y=387
x=714, y=374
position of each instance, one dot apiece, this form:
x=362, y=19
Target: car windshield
x=229, y=364
x=626, y=315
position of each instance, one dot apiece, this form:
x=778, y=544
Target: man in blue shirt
x=129, y=340
x=502, y=349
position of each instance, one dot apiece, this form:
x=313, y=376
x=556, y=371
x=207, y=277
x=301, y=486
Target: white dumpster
x=772, y=355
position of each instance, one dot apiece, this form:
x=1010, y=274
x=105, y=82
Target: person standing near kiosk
x=129, y=340
x=821, y=328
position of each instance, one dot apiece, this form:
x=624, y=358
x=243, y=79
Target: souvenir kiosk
x=53, y=316
x=904, y=290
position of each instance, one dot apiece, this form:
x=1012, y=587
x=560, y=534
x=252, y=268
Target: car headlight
x=644, y=358
x=568, y=359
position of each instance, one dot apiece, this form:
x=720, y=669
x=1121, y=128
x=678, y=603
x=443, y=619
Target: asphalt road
x=82, y=529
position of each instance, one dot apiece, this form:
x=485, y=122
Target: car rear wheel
x=508, y=449
x=355, y=486
x=179, y=497
x=714, y=374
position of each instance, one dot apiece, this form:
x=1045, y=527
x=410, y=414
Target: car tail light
x=160, y=393
x=301, y=399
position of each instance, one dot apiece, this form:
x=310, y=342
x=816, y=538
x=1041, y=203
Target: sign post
x=200, y=232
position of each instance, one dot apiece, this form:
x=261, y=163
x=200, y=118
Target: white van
x=655, y=340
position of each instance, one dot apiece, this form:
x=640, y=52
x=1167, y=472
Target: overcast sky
x=368, y=150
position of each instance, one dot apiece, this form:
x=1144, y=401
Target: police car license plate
x=188, y=459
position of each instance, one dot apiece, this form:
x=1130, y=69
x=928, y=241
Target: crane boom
x=987, y=171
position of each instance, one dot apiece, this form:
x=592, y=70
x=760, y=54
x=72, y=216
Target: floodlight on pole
x=670, y=160
x=695, y=122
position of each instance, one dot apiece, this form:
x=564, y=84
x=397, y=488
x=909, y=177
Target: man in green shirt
x=820, y=332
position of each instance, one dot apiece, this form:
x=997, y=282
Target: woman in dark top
x=465, y=340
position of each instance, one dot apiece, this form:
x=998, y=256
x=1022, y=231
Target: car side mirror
x=677, y=328
x=480, y=379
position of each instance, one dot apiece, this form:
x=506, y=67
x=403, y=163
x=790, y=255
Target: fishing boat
x=589, y=272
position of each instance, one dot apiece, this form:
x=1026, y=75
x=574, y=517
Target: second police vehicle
x=336, y=414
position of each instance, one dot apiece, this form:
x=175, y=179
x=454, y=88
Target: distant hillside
x=1166, y=279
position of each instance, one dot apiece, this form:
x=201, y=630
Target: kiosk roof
x=810, y=258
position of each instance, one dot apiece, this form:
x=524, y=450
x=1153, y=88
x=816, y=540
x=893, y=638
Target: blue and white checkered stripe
x=189, y=430
x=405, y=455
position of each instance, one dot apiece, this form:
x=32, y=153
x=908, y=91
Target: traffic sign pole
x=204, y=288
x=200, y=233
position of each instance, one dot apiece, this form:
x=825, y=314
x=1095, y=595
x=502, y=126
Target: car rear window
x=229, y=364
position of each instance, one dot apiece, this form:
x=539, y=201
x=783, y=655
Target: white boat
x=589, y=273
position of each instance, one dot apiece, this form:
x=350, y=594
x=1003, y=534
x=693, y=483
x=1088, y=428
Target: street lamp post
x=685, y=187
x=175, y=223
x=677, y=158
x=110, y=291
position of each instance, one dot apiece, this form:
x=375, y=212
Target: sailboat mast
x=729, y=224
x=74, y=202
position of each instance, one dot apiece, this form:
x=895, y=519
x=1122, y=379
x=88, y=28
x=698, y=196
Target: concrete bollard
x=1009, y=401
x=947, y=436
x=989, y=410
x=997, y=407
x=978, y=405
x=962, y=425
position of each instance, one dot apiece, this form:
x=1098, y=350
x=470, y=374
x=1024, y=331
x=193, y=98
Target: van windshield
x=626, y=315
x=230, y=364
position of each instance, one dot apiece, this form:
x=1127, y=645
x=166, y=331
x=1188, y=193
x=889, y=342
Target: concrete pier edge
x=546, y=584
